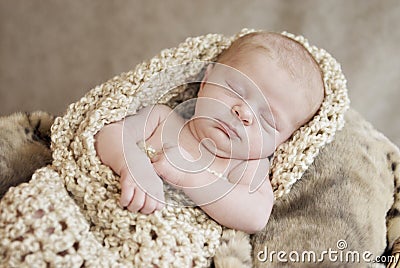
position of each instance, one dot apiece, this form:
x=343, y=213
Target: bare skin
x=241, y=115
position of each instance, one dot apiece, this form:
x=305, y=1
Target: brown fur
x=351, y=192
x=234, y=251
x=24, y=147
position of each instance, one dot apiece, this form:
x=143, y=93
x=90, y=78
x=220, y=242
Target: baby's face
x=247, y=106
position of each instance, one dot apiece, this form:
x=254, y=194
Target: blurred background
x=53, y=51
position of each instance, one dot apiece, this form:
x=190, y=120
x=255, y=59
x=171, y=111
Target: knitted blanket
x=68, y=214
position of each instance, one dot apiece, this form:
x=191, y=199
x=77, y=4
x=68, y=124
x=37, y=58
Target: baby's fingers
x=150, y=205
x=160, y=205
x=138, y=200
x=153, y=203
x=127, y=190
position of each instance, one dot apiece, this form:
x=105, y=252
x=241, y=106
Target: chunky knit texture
x=68, y=214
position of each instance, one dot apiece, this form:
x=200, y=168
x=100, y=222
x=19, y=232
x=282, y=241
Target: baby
x=263, y=88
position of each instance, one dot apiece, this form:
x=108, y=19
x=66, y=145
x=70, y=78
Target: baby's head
x=263, y=88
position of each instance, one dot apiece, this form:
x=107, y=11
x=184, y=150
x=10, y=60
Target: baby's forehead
x=287, y=53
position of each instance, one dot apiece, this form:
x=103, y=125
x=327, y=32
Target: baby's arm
x=244, y=202
x=114, y=140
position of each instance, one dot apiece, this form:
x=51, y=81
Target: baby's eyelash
x=234, y=89
x=273, y=126
x=230, y=93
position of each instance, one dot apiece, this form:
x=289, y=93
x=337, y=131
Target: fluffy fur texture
x=24, y=147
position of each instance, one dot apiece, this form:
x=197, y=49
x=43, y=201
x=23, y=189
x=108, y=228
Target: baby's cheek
x=263, y=147
x=256, y=151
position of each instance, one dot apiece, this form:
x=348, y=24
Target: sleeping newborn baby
x=263, y=88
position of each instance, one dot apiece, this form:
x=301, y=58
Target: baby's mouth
x=227, y=129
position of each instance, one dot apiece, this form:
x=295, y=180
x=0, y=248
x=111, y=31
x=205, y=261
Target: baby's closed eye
x=267, y=122
x=235, y=89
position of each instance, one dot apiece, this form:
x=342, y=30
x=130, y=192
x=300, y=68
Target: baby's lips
x=229, y=128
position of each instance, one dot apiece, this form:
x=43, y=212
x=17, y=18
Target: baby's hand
x=135, y=198
x=170, y=165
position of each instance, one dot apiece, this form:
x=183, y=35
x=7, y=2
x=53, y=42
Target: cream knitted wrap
x=67, y=215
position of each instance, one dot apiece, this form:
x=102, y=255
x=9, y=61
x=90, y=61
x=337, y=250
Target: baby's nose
x=243, y=113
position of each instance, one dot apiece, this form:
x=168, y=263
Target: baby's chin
x=243, y=156
x=223, y=150
x=263, y=154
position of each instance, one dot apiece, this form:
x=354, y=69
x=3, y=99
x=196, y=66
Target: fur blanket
x=347, y=201
x=67, y=215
